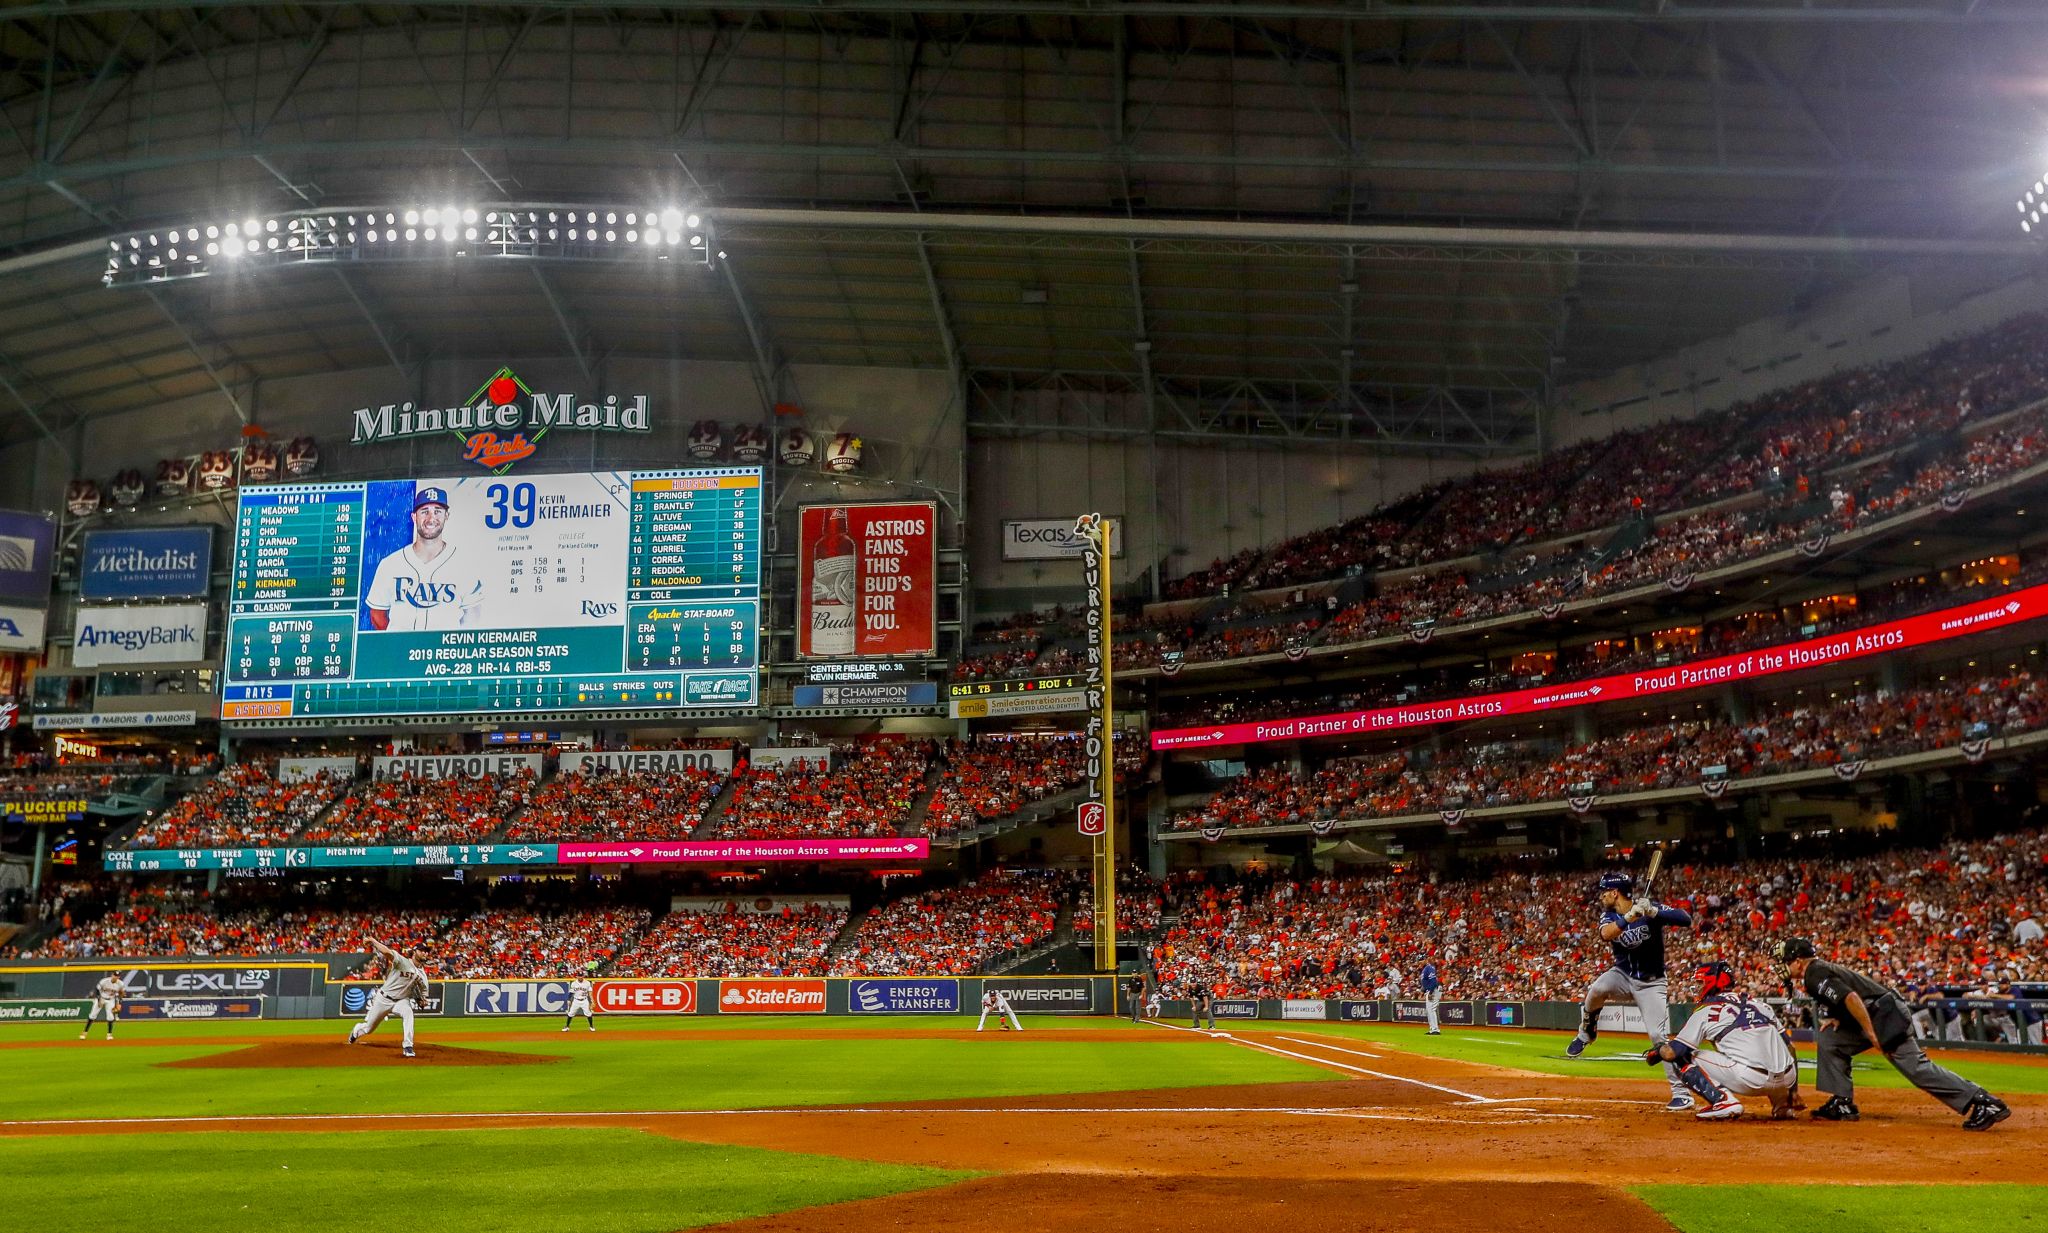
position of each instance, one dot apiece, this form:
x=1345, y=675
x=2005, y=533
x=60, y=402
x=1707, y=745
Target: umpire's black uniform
x=1830, y=984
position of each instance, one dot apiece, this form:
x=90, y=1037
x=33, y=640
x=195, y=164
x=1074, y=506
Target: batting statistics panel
x=867, y=580
x=484, y=594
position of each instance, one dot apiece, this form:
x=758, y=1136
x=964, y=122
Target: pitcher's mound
x=293, y=1054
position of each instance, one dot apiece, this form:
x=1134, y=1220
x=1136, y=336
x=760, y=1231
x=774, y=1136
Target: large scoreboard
x=496, y=595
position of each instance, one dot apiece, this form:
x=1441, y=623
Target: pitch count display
x=481, y=594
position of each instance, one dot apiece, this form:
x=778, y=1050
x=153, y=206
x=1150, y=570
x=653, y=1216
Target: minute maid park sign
x=502, y=422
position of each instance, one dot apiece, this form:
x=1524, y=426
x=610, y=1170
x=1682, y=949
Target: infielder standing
x=579, y=1004
x=106, y=1004
x=997, y=1002
x=1636, y=932
x=1858, y=1013
x=1752, y=1051
x=1432, y=993
x=404, y=987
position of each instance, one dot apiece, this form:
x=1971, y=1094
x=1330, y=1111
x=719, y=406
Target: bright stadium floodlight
x=538, y=231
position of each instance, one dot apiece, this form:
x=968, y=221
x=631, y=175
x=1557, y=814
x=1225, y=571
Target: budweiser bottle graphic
x=834, y=571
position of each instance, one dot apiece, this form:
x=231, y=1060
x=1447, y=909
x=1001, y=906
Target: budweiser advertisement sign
x=1983, y=615
x=771, y=997
x=867, y=581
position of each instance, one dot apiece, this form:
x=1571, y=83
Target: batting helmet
x=1616, y=882
x=1785, y=950
x=1715, y=978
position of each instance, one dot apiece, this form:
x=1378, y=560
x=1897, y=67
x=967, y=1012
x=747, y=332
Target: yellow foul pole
x=1097, y=816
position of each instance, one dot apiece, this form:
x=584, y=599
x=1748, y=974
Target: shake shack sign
x=502, y=421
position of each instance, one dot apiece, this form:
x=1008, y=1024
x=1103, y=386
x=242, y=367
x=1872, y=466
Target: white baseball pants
x=1739, y=1080
x=381, y=1008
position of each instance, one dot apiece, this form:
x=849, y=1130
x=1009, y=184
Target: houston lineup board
x=493, y=594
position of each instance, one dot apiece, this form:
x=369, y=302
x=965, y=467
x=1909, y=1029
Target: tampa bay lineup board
x=490, y=594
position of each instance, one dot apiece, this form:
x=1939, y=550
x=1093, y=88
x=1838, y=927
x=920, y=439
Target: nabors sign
x=502, y=421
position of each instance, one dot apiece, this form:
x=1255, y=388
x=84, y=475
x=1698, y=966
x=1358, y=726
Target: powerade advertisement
x=903, y=997
x=145, y=563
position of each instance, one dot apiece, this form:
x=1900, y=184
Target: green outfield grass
x=1922, y=1209
x=687, y=1067
x=506, y=1181
x=1619, y=1057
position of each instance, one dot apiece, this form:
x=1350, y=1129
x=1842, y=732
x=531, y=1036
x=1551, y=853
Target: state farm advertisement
x=1940, y=626
x=867, y=580
x=771, y=997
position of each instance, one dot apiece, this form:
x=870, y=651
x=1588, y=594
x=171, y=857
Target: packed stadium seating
x=955, y=930
x=408, y=809
x=869, y=791
x=243, y=806
x=790, y=939
x=597, y=806
x=1949, y=915
x=1848, y=727
x=1138, y=906
x=987, y=778
x=523, y=942
x=1814, y=460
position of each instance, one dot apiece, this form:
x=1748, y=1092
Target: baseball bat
x=1656, y=867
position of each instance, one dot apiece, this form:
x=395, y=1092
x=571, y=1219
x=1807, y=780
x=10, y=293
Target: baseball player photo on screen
x=494, y=553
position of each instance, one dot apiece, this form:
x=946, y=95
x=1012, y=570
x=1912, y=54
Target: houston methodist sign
x=2009, y=609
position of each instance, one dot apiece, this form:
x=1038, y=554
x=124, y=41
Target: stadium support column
x=1096, y=817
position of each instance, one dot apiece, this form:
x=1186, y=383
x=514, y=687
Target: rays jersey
x=436, y=594
x=1639, y=947
x=1742, y=1031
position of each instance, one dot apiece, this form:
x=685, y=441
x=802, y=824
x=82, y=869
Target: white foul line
x=1323, y=1061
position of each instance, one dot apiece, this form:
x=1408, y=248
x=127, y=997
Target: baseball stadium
x=1024, y=615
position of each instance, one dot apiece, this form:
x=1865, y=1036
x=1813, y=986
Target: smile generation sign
x=1964, y=619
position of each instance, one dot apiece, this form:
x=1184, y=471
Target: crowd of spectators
x=181, y=924
x=1617, y=654
x=955, y=930
x=597, y=805
x=868, y=791
x=409, y=809
x=731, y=939
x=1138, y=905
x=1844, y=728
x=527, y=943
x=1961, y=915
x=245, y=806
x=1814, y=460
x=986, y=778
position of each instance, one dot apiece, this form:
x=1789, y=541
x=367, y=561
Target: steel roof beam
x=1381, y=12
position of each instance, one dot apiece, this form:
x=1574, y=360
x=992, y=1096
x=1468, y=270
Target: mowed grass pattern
x=1838, y=1209
x=480, y=1181
x=681, y=1069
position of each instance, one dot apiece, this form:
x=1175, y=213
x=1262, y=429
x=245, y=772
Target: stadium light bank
x=413, y=233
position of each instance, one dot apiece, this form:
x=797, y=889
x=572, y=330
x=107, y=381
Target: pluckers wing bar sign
x=34, y=809
x=503, y=420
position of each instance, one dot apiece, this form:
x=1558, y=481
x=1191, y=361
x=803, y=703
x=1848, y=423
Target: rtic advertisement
x=515, y=997
x=1972, y=618
x=867, y=579
x=903, y=997
x=771, y=997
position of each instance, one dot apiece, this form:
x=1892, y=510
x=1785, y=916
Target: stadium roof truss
x=1378, y=225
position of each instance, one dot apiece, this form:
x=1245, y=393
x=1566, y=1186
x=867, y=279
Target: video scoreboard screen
x=493, y=594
